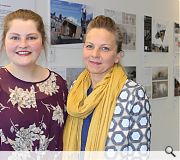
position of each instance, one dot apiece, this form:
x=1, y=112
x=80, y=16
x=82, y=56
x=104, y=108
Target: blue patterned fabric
x=130, y=126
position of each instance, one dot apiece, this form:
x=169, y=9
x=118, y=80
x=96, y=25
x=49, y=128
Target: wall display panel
x=68, y=21
x=127, y=24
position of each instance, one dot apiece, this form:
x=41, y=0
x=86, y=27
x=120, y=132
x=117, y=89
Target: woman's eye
x=88, y=46
x=15, y=38
x=105, y=49
x=31, y=38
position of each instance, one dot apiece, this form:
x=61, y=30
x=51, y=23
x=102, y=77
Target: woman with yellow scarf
x=107, y=111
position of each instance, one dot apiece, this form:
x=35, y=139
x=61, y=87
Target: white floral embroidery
x=23, y=98
x=26, y=136
x=2, y=136
x=57, y=113
x=44, y=142
x=3, y=107
x=49, y=86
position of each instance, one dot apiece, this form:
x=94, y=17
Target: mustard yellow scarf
x=102, y=101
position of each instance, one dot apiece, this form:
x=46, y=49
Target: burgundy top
x=32, y=114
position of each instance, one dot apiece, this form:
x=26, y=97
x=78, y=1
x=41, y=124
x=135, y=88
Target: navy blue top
x=85, y=127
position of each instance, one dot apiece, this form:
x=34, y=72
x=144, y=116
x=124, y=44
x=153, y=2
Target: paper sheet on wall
x=148, y=81
x=7, y=6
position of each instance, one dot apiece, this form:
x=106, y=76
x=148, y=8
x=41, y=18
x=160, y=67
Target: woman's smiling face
x=23, y=42
x=100, y=51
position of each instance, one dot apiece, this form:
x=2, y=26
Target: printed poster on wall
x=127, y=24
x=68, y=21
x=155, y=35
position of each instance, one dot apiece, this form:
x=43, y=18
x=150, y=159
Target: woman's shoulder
x=2, y=70
x=133, y=88
x=59, y=79
x=57, y=75
x=130, y=84
x=4, y=74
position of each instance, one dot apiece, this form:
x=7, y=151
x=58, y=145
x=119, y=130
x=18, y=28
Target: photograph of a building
x=68, y=22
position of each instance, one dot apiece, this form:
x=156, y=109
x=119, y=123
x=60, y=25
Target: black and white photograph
x=159, y=89
x=155, y=35
x=159, y=73
x=159, y=82
x=147, y=34
x=131, y=72
x=159, y=36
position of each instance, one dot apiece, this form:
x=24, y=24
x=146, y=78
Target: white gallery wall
x=165, y=111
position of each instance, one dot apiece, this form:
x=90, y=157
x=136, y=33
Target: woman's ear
x=119, y=56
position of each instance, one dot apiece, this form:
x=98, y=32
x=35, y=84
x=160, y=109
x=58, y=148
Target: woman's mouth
x=23, y=52
x=94, y=62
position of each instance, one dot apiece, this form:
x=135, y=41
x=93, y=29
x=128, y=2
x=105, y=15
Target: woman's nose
x=96, y=52
x=23, y=43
